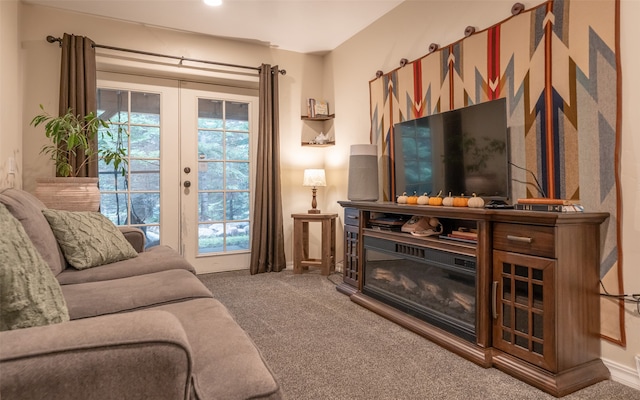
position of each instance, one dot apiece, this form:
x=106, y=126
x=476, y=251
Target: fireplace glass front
x=435, y=286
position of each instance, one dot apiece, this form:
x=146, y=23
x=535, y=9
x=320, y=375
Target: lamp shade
x=314, y=177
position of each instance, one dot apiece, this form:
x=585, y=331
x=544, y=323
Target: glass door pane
x=223, y=176
x=143, y=113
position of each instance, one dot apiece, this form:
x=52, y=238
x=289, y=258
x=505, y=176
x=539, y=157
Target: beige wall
x=10, y=95
x=406, y=32
x=341, y=77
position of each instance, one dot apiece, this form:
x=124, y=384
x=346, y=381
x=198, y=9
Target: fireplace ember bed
x=433, y=285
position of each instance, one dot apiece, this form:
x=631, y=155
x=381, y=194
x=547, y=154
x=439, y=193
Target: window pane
x=110, y=179
x=145, y=175
x=114, y=137
x=145, y=142
x=211, y=206
x=210, y=176
x=113, y=105
x=237, y=176
x=145, y=208
x=237, y=146
x=237, y=206
x=145, y=108
x=152, y=233
x=210, y=145
x=237, y=116
x=115, y=207
x=237, y=237
x=210, y=238
x=210, y=114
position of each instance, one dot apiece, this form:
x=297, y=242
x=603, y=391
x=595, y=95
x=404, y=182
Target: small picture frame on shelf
x=321, y=108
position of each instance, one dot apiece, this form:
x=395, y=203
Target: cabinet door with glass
x=523, y=307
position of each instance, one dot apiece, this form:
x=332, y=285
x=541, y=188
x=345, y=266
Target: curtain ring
x=433, y=47
x=403, y=62
x=379, y=73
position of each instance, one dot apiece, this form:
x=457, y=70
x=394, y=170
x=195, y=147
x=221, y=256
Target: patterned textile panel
x=556, y=66
x=585, y=105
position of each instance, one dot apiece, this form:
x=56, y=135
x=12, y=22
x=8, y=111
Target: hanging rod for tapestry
x=53, y=39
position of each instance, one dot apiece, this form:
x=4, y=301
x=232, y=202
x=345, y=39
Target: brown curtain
x=267, y=242
x=78, y=88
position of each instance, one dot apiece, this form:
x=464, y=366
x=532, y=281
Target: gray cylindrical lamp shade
x=363, y=172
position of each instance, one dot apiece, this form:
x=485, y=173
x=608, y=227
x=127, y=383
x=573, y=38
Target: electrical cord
x=537, y=185
x=627, y=298
x=331, y=274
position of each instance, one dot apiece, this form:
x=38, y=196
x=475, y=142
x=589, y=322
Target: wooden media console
x=518, y=292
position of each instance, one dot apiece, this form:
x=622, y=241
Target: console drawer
x=527, y=239
x=351, y=216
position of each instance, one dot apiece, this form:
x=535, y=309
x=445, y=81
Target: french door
x=190, y=149
x=217, y=149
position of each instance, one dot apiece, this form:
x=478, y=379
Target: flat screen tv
x=462, y=151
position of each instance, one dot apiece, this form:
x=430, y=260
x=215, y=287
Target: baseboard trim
x=623, y=374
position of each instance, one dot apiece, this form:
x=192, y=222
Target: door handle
x=187, y=184
x=494, y=299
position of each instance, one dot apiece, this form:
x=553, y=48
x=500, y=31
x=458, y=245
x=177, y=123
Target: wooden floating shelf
x=318, y=117
x=317, y=144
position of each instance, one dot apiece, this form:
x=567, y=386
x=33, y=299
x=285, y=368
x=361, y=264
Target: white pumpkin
x=402, y=199
x=424, y=199
x=475, y=202
x=448, y=201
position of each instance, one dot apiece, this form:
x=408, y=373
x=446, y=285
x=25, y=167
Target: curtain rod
x=53, y=39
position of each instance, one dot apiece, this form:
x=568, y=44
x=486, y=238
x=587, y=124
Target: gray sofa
x=142, y=328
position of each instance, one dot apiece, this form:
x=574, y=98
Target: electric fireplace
x=433, y=285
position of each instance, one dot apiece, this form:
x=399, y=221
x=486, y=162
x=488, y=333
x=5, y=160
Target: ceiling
x=304, y=26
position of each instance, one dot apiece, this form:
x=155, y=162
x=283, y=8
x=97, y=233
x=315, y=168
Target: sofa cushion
x=88, y=239
x=155, y=259
x=92, y=299
x=27, y=209
x=226, y=362
x=141, y=355
x=29, y=293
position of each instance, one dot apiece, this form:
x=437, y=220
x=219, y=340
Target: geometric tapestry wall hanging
x=557, y=67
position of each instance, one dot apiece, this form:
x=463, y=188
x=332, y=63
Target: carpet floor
x=322, y=346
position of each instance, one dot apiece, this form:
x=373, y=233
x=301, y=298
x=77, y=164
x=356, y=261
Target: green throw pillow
x=29, y=293
x=88, y=239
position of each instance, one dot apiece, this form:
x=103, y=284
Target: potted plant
x=72, y=134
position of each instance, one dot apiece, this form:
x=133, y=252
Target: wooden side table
x=301, y=259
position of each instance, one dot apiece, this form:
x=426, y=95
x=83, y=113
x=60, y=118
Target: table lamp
x=314, y=178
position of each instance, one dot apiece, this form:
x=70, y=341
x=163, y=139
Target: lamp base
x=314, y=211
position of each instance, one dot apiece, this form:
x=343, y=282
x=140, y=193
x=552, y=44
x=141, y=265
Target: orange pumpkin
x=436, y=200
x=412, y=199
x=460, y=201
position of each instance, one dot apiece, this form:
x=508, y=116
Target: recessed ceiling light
x=213, y=3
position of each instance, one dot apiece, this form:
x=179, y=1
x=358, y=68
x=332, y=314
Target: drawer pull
x=520, y=239
x=352, y=217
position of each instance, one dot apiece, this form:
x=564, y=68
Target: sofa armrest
x=135, y=236
x=143, y=354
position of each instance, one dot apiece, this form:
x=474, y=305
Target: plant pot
x=70, y=194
